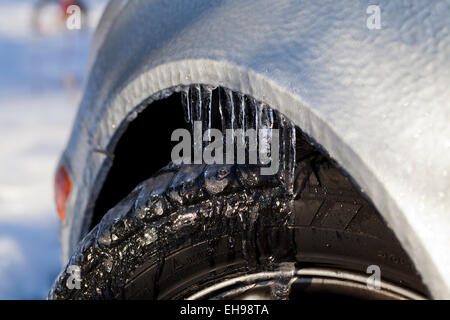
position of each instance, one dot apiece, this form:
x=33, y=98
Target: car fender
x=377, y=100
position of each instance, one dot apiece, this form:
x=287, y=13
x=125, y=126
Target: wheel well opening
x=143, y=149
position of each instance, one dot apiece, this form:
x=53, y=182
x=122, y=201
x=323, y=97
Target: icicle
x=196, y=104
x=227, y=109
x=186, y=102
x=239, y=106
x=206, y=97
x=252, y=116
x=240, y=112
x=287, y=152
x=222, y=110
x=258, y=115
x=196, y=115
x=266, y=126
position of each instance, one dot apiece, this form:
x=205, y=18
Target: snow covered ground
x=40, y=86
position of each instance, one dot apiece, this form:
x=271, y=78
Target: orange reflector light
x=62, y=190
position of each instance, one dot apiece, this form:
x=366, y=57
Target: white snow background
x=41, y=79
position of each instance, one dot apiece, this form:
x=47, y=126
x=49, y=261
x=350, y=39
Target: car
x=352, y=97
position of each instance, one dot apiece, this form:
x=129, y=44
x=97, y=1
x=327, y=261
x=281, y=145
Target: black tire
x=187, y=227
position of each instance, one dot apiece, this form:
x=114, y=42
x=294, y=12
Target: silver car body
x=377, y=100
